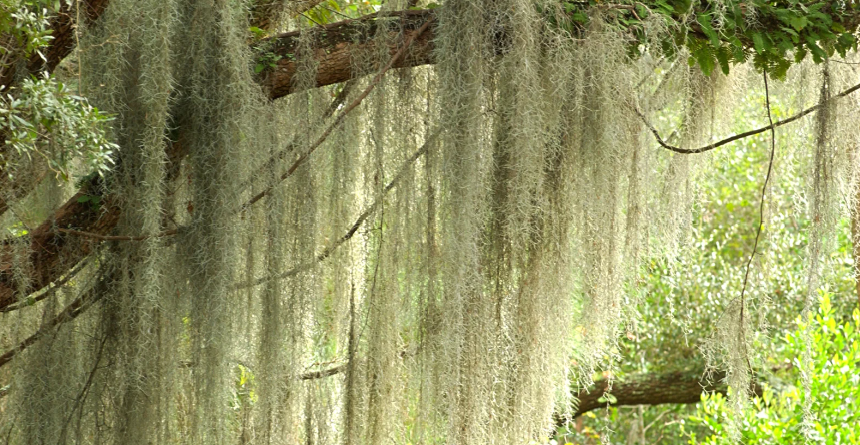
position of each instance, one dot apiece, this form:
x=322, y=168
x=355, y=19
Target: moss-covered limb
x=77, y=307
x=745, y=134
x=652, y=389
x=772, y=34
x=780, y=32
x=395, y=58
x=51, y=257
x=52, y=253
x=33, y=299
x=340, y=42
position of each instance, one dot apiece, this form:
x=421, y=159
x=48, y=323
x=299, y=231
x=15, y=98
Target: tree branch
x=51, y=252
x=652, y=389
x=340, y=42
x=118, y=237
x=63, y=30
x=72, y=311
x=746, y=134
x=326, y=252
x=31, y=300
x=339, y=120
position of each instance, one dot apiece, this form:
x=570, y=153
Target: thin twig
x=323, y=373
x=72, y=311
x=332, y=10
x=355, y=226
x=116, y=237
x=340, y=118
x=29, y=301
x=291, y=145
x=745, y=134
x=309, y=18
x=741, y=335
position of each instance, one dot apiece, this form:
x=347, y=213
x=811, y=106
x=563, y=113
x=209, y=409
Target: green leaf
x=798, y=22
x=706, y=61
x=794, y=35
x=758, y=43
x=780, y=68
x=723, y=59
x=258, y=68
x=611, y=398
x=705, y=22
x=800, y=54
x=818, y=54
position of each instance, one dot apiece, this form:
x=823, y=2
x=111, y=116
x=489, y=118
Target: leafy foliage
x=774, y=34
x=24, y=29
x=41, y=118
x=777, y=418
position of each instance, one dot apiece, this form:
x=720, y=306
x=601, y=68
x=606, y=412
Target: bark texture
x=338, y=43
x=653, y=389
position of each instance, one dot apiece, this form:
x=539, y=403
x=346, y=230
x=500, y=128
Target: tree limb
x=340, y=42
x=52, y=253
x=652, y=389
x=746, y=134
x=340, y=118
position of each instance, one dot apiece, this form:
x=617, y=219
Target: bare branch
x=326, y=252
x=72, y=311
x=117, y=237
x=746, y=134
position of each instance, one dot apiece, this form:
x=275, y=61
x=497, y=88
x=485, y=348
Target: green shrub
x=832, y=400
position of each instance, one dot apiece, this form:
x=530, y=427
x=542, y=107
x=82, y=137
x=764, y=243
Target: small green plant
x=266, y=60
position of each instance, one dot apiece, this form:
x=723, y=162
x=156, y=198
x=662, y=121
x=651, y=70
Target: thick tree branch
x=340, y=118
x=340, y=42
x=653, y=389
x=52, y=253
